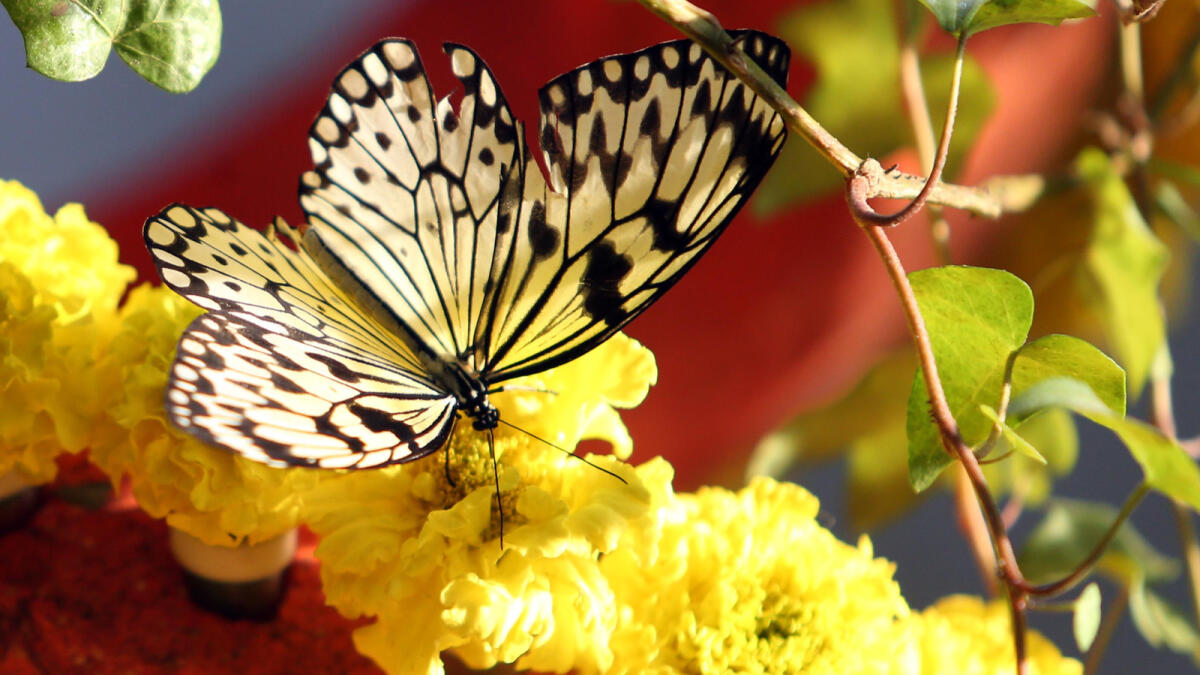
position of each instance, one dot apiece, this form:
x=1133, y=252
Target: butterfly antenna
x=496, y=476
x=564, y=450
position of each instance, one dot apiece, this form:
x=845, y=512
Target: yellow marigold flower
x=750, y=582
x=963, y=634
x=420, y=554
x=60, y=283
x=212, y=494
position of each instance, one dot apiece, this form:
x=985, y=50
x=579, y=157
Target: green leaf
x=854, y=49
x=1167, y=467
x=1058, y=392
x=1071, y=529
x=1171, y=202
x=1086, y=619
x=972, y=16
x=171, y=43
x=877, y=489
x=976, y=318
x=1124, y=264
x=1184, y=173
x=866, y=424
x=1053, y=433
x=873, y=406
x=1161, y=623
x=1014, y=439
x=1054, y=356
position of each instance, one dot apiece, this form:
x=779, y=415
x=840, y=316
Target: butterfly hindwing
x=279, y=396
x=284, y=368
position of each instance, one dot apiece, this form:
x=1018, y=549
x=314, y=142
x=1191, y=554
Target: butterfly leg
x=496, y=477
x=509, y=387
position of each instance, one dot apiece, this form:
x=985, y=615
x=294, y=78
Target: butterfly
x=439, y=260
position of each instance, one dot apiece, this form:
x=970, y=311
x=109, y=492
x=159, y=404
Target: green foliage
x=171, y=43
x=1052, y=432
x=1169, y=200
x=1124, y=264
x=1160, y=622
x=1167, y=467
x=868, y=424
x=976, y=318
x=1014, y=439
x=853, y=45
x=1066, y=356
x=1085, y=622
x=966, y=17
x=1070, y=531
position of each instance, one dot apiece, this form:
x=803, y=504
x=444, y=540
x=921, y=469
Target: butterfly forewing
x=284, y=367
x=650, y=156
x=404, y=197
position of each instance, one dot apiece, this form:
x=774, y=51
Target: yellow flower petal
x=407, y=547
x=59, y=287
x=749, y=582
x=963, y=634
x=210, y=493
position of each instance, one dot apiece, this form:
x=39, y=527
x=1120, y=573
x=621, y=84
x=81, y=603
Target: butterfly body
x=439, y=261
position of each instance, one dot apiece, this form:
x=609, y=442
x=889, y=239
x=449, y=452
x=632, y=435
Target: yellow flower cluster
x=213, y=495
x=748, y=581
x=78, y=372
x=962, y=634
x=422, y=555
x=603, y=568
x=60, y=283
x=597, y=575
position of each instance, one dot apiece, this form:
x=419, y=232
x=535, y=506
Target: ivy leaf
x=966, y=17
x=976, y=318
x=171, y=43
x=1071, y=529
x=1167, y=467
x=1014, y=439
x=1059, y=392
x=1066, y=356
x=867, y=424
x=854, y=49
x=1054, y=435
x=1161, y=623
x=1086, y=619
x=1172, y=203
x=1124, y=264
x=869, y=408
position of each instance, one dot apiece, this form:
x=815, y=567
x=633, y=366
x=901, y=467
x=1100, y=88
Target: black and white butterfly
x=437, y=261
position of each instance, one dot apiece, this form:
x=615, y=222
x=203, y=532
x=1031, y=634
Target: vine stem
x=913, y=94
x=1162, y=411
x=1007, y=566
x=1108, y=626
x=998, y=195
x=1161, y=401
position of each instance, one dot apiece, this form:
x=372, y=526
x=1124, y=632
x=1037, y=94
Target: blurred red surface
x=781, y=315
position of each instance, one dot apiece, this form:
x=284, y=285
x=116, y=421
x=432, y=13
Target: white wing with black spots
x=651, y=154
x=404, y=198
